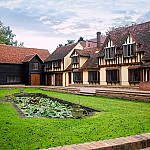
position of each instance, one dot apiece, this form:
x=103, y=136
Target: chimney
x=98, y=40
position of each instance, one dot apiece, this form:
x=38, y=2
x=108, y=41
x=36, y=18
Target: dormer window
x=129, y=47
x=57, y=64
x=110, y=52
x=74, y=60
x=129, y=50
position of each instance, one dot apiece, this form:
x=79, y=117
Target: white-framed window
x=35, y=66
x=110, y=52
x=48, y=65
x=13, y=79
x=74, y=60
x=129, y=49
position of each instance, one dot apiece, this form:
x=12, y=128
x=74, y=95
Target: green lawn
x=120, y=118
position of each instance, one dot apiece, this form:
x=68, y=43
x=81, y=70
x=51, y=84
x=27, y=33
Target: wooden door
x=49, y=80
x=58, y=79
x=35, y=79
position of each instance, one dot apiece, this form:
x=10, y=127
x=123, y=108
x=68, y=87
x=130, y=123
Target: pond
x=41, y=105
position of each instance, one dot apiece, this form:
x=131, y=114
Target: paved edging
x=123, y=143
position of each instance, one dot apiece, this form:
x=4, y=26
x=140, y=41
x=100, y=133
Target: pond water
x=41, y=105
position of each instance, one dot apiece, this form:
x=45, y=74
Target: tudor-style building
x=57, y=63
x=84, y=66
x=125, y=56
x=84, y=63
x=20, y=65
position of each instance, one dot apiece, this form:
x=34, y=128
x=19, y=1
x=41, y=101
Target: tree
x=70, y=41
x=7, y=37
x=80, y=39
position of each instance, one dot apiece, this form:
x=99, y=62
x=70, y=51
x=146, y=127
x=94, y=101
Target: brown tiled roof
x=102, y=39
x=145, y=65
x=93, y=41
x=83, y=43
x=28, y=58
x=92, y=62
x=69, y=68
x=84, y=53
x=16, y=55
x=140, y=33
x=61, y=52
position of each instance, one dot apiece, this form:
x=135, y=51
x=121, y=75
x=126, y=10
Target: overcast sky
x=48, y=23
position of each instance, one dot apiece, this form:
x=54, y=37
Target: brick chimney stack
x=98, y=40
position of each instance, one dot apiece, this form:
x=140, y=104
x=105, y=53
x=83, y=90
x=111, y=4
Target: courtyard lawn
x=120, y=118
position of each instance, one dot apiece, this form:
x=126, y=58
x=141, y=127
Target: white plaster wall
x=85, y=77
x=103, y=76
x=64, y=79
x=67, y=78
x=67, y=59
x=53, y=79
x=82, y=61
x=124, y=75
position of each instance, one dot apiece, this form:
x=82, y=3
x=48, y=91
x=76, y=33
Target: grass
x=121, y=118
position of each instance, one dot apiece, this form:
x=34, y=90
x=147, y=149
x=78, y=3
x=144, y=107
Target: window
x=112, y=75
x=75, y=60
x=35, y=66
x=13, y=79
x=48, y=65
x=110, y=52
x=92, y=76
x=129, y=50
x=57, y=64
x=134, y=75
x=77, y=77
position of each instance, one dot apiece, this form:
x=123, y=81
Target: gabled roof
x=83, y=53
x=28, y=58
x=16, y=55
x=92, y=62
x=140, y=33
x=61, y=52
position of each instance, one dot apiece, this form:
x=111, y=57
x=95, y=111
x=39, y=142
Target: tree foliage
x=80, y=39
x=7, y=36
x=70, y=41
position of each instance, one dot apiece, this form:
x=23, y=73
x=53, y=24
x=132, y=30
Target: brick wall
x=124, y=143
x=130, y=95
x=144, y=86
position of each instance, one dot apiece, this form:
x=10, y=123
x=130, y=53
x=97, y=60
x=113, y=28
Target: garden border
x=124, y=143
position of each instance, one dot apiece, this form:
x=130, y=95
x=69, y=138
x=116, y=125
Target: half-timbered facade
x=84, y=66
x=20, y=65
x=57, y=63
x=125, y=56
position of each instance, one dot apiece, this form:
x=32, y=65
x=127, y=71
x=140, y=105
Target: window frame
x=133, y=75
x=112, y=76
x=130, y=49
x=77, y=77
x=110, y=52
x=35, y=66
x=75, y=60
x=92, y=76
x=13, y=79
x=56, y=64
x=48, y=65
